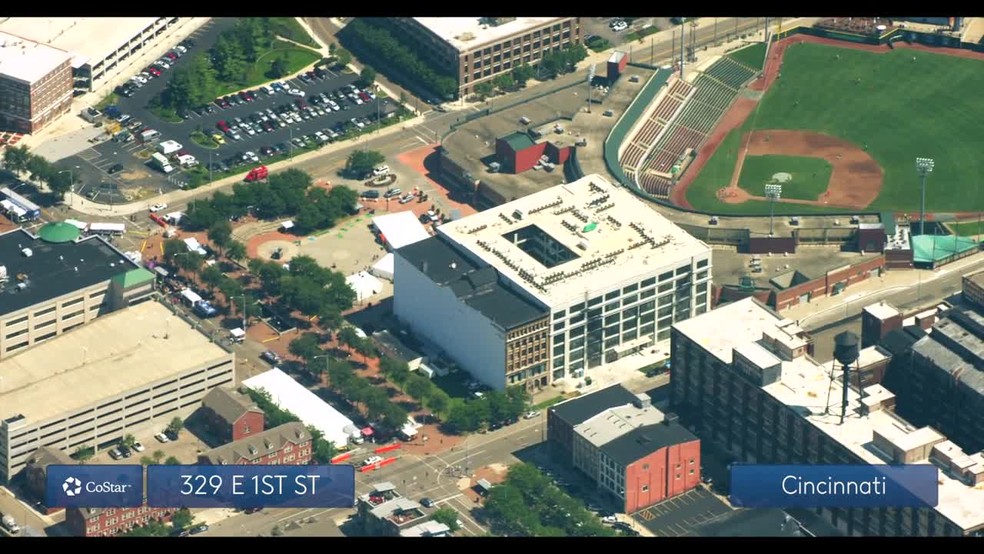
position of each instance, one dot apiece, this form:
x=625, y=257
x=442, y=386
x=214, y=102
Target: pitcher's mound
x=782, y=178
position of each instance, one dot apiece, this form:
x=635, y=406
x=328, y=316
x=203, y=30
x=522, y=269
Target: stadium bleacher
x=655, y=185
x=730, y=73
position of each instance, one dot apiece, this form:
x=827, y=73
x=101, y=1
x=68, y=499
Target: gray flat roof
x=578, y=410
x=477, y=286
x=468, y=33
x=956, y=346
x=26, y=60
x=643, y=441
x=115, y=354
x=54, y=269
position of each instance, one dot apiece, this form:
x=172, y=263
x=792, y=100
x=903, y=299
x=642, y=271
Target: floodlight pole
x=924, y=166
x=773, y=192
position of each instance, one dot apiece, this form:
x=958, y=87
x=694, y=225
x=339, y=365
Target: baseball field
x=864, y=117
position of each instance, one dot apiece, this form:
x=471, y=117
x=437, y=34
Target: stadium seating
x=730, y=73
x=655, y=185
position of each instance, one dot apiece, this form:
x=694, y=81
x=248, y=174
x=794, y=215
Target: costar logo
x=72, y=486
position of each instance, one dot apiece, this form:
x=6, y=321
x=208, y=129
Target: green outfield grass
x=810, y=176
x=753, y=56
x=967, y=228
x=901, y=109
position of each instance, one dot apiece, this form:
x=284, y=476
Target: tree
x=523, y=73
x=332, y=48
x=365, y=347
x=152, y=528
x=305, y=346
x=172, y=461
x=236, y=250
x=60, y=182
x=504, y=82
x=212, y=276
x=172, y=247
x=447, y=516
x=176, y=425
x=83, y=453
x=278, y=67
x=347, y=336
x=182, y=519
x=146, y=461
x=367, y=77
x=39, y=168
x=418, y=387
x=324, y=451
x=484, y=90
x=16, y=158
x=361, y=162
x=220, y=233
x=157, y=456
x=276, y=531
x=128, y=440
x=342, y=57
x=438, y=401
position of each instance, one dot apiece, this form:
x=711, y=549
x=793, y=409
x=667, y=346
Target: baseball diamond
x=868, y=111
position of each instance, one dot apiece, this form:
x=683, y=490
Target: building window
x=677, y=475
x=645, y=488
x=645, y=467
x=691, y=472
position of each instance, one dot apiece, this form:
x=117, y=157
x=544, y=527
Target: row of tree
x=555, y=62
x=529, y=504
x=373, y=39
x=284, y=194
x=274, y=416
x=181, y=520
x=458, y=415
x=18, y=160
x=374, y=401
x=306, y=287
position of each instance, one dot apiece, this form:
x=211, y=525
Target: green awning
x=590, y=227
x=58, y=232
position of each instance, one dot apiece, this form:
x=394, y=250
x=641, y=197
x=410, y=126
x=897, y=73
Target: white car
x=531, y=414
x=158, y=207
x=251, y=156
x=380, y=171
x=619, y=26
x=372, y=460
x=137, y=446
x=609, y=519
x=296, y=92
x=161, y=437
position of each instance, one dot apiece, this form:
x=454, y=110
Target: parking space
x=682, y=515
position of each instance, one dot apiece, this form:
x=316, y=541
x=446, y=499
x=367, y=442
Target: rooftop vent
x=465, y=37
x=27, y=252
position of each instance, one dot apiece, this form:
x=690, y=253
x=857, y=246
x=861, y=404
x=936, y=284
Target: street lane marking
x=448, y=498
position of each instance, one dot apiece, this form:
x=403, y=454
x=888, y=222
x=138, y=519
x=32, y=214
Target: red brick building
x=36, y=84
x=635, y=454
x=36, y=471
x=517, y=152
x=287, y=444
x=231, y=416
x=107, y=522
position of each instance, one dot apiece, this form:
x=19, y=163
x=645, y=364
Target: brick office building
x=231, y=416
x=634, y=453
x=289, y=443
x=107, y=522
x=36, y=84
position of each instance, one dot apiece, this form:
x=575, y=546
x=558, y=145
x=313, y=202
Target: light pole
x=924, y=166
x=244, y=312
x=71, y=181
x=773, y=192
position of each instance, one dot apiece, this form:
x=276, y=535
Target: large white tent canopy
x=400, y=229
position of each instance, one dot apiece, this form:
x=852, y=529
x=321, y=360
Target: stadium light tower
x=773, y=192
x=924, y=166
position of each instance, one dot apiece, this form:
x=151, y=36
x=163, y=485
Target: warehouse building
x=551, y=285
x=635, y=454
x=130, y=372
x=742, y=379
x=476, y=49
x=56, y=281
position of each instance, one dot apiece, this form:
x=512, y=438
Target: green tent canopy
x=590, y=227
x=58, y=232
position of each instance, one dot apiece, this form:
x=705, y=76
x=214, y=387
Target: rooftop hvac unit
x=3, y=273
x=27, y=252
x=583, y=245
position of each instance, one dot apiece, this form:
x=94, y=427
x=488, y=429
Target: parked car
x=198, y=529
x=271, y=357
x=372, y=460
x=115, y=454
x=296, y=92
x=426, y=502
x=531, y=414
x=138, y=446
x=115, y=168
x=370, y=194
x=160, y=206
x=393, y=193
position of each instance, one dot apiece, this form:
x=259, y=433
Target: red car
x=171, y=55
x=223, y=103
x=153, y=71
x=250, y=96
x=223, y=126
x=242, y=96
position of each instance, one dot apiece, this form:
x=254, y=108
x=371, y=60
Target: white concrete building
x=552, y=284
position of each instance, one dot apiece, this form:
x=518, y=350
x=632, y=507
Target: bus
x=112, y=229
x=18, y=207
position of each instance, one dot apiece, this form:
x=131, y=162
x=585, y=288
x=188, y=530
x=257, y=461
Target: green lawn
x=902, y=109
x=810, y=176
x=289, y=28
x=967, y=228
x=753, y=55
x=297, y=59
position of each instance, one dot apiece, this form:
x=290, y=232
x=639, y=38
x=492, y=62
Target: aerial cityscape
x=491, y=277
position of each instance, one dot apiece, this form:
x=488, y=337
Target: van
x=524, y=120
x=370, y=194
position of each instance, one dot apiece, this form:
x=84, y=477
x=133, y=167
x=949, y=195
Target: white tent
x=400, y=229
x=364, y=285
x=195, y=246
x=384, y=267
x=287, y=225
x=295, y=398
x=237, y=334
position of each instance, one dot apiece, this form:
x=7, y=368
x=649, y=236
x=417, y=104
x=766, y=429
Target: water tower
x=846, y=353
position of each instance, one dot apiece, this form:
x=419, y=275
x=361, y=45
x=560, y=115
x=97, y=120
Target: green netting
x=935, y=248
